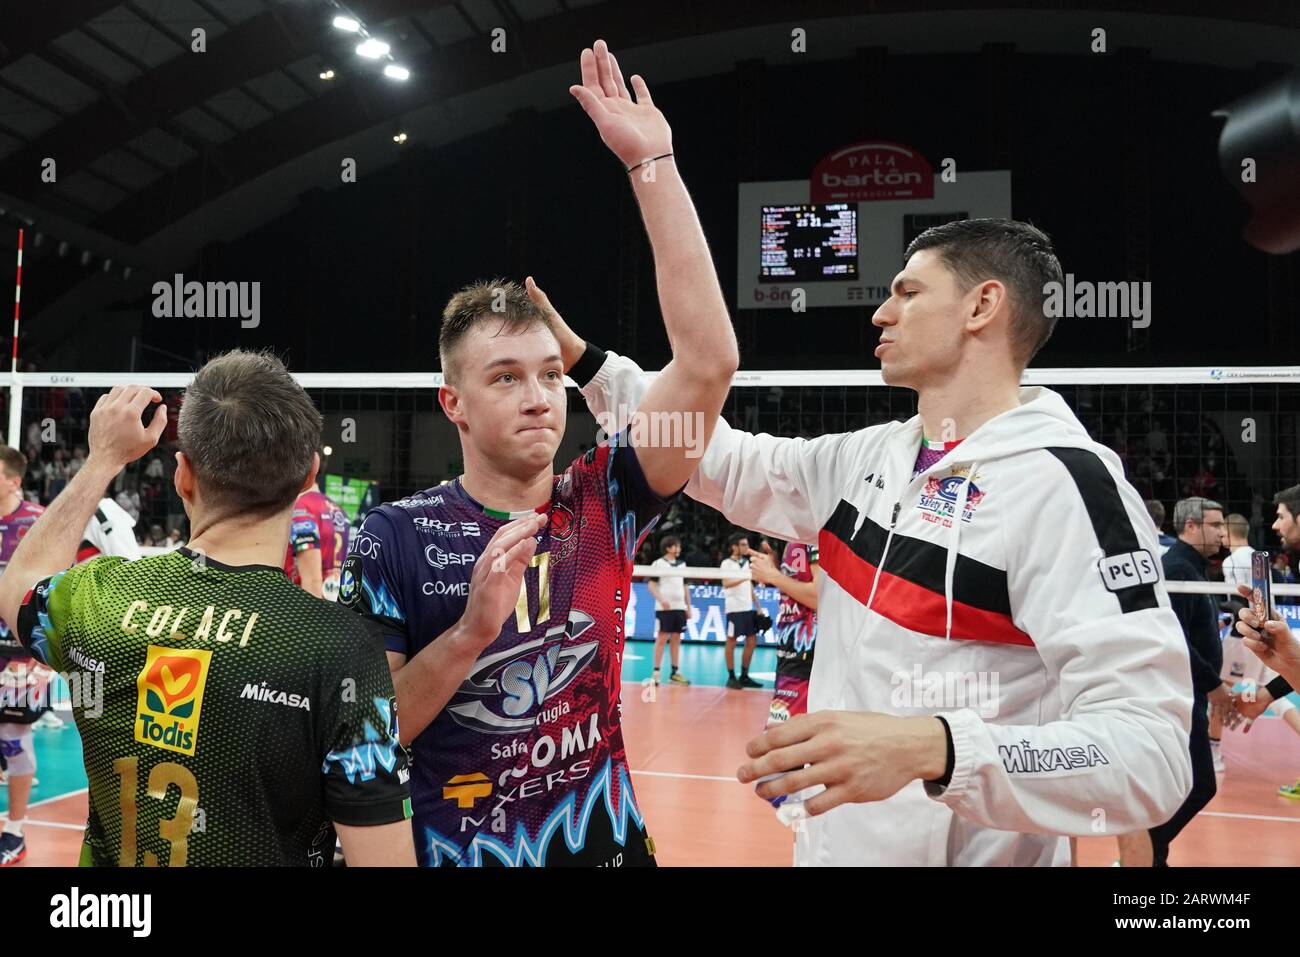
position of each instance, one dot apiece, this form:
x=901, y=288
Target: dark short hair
x=734, y=538
x=13, y=461
x=1290, y=497
x=1156, y=509
x=1017, y=254
x=496, y=300
x=249, y=432
x=668, y=541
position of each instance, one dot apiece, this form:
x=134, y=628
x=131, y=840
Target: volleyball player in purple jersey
x=501, y=594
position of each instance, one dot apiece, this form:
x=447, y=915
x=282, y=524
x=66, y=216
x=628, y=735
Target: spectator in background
x=129, y=499
x=174, y=539
x=77, y=461
x=1283, y=575
x=157, y=539
x=696, y=556
x=1156, y=509
x=56, y=475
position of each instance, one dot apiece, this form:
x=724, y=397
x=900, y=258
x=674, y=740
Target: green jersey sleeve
x=57, y=606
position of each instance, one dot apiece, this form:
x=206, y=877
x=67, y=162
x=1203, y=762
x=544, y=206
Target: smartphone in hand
x=1261, y=589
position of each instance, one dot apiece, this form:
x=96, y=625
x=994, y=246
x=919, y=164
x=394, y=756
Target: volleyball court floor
x=685, y=744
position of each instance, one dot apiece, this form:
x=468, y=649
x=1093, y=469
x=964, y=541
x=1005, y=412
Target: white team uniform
x=737, y=597
x=1048, y=584
x=671, y=588
x=109, y=531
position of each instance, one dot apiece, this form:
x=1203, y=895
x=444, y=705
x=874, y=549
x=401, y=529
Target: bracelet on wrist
x=650, y=160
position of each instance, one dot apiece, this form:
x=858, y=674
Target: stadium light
x=347, y=23
x=328, y=451
x=327, y=74
x=396, y=72
x=372, y=49
x=399, y=138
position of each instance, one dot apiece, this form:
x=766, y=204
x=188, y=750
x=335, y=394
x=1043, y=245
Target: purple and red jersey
x=526, y=764
x=796, y=633
x=12, y=529
x=318, y=523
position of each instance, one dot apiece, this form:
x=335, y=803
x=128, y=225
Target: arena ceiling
x=161, y=150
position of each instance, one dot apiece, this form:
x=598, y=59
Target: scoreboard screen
x=809, y=242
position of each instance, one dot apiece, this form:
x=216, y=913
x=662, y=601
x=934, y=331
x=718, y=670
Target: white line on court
x=57, y=797
x=694, y=777
x=1252, y=817
x=58, y=824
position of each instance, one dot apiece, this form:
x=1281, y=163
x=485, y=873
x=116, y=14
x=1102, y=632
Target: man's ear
x=310, y=482
x=183, y=478
x=988, y=300
x=450, y=400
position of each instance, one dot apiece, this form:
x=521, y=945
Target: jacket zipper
x=884, y=553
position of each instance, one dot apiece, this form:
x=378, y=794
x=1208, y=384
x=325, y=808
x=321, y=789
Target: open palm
x=634, y=130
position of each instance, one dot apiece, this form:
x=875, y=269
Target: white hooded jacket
x=1037, y=625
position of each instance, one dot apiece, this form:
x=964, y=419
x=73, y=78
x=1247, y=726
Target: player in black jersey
x=240, y=721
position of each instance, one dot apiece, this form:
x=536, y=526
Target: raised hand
x=761, y=567
x=572, y=345
x=497, y=577
x=634, y=130
x=117, y=435
x=1271, y=641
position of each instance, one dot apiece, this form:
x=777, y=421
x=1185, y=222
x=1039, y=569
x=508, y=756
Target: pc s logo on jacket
x=511, y=688
x=939, y=498
x=1128, y=570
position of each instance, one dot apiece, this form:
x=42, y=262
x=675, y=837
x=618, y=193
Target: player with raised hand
x=508, y=671
x=241, y=721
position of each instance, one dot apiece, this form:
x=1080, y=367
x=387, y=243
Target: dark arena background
x=326, y=204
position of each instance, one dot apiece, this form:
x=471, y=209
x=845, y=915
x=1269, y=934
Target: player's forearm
x=805, y=593
x=427, y=682
x=695, y=313
x=309, y=570
x=51, y=544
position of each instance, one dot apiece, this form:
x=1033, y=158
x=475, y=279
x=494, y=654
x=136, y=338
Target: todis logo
x=509, y=689
x=170, y=698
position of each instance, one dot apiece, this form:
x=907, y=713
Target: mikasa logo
x=1021, y=758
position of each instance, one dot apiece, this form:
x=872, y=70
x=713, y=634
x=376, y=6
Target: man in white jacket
x=998, y=665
